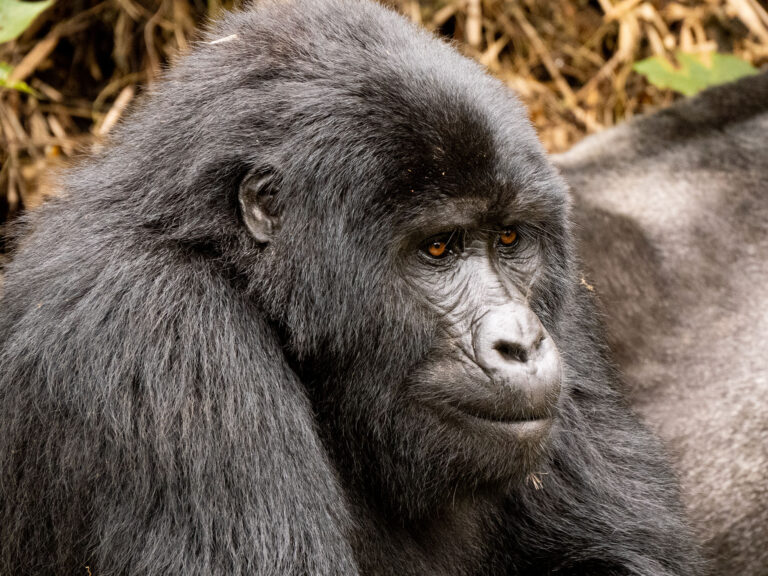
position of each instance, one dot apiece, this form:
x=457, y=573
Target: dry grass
x=570, y=60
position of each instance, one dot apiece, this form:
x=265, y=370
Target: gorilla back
x=313, y=311
x=672, y=214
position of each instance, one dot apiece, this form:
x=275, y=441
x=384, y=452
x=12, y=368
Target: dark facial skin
x=500, y=373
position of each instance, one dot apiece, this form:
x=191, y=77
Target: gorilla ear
x=258, y=206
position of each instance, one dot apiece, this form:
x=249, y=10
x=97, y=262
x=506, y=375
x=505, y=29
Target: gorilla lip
x=501, y=416
x=498, y=402
x=532, y=428
x=511, y=420
x=484, y=399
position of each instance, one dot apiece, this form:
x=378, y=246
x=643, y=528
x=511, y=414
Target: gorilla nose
x=508, y=335
x=512, y=351
x=515, y=351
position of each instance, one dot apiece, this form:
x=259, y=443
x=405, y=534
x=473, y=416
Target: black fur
x=177, y=398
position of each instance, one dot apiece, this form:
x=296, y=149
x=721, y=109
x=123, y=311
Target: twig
x=149, y=41
x=43, y=49
x=112, y=117
x=474, y=25
x=540, y=49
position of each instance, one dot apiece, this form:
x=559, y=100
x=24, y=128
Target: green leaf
x=16, y=16
x=694, y=72
x=5, y=72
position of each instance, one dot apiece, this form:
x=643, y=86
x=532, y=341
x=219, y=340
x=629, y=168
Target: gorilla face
x=480, y=258
x=495, y=370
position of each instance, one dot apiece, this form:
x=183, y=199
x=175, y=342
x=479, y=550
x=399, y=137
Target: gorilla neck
x=459, y=536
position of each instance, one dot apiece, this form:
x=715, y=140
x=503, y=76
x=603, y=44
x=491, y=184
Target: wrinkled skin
x=672, y=220
x=314, y=311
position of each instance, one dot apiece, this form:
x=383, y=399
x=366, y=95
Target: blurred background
x=69, y=69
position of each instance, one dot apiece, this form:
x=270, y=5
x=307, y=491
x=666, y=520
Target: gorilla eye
x=440, y=247
x=437, y=249
x=508, y=237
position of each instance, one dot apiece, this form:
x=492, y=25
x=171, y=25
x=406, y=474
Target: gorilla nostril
x=511, y=351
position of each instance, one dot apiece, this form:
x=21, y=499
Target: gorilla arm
x=184, y=437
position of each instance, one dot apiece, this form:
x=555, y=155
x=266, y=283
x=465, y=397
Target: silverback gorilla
x=314, y=311
x=672, y=214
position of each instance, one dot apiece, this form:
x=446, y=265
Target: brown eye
x=442, y=246
x=507, y=237
x=437, y=248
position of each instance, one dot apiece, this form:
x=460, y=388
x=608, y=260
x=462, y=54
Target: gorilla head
x=312, y=311
x=413, y=254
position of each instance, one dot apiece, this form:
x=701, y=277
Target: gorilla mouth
x=506, y=416
x=531, y=427
x=502, y=403
x=503, y=407
x=481, y=400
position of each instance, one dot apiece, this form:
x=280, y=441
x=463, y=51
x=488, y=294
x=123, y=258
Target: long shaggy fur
x=176, y=398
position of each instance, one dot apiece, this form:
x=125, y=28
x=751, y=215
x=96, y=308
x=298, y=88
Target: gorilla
x=316, y=310
x=672, y=221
